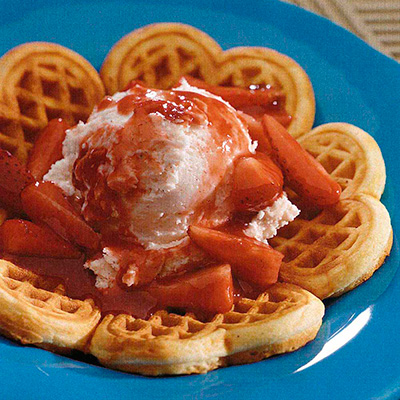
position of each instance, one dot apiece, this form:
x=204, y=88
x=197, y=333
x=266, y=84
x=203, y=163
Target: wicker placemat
x=375, y=21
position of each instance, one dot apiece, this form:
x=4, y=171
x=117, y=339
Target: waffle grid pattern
x=278, y=300
x=320, y=247
x=282, y=319
x=12, y=135
x=162, y=61
x=311, y=243
x=44, y=92
x=47, y=91
x=39, y=82
x=339, y=161
x=40, y=292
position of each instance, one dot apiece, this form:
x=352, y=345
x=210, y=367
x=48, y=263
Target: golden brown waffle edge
x=160, y=54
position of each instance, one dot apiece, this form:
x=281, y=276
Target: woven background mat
x=375, y=21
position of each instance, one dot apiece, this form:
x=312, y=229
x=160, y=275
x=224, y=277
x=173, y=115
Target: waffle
x=34, y=311
x=160, y=54
x=38, y=82
x=280, y=320
x=333, y=251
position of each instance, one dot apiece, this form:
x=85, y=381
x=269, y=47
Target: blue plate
x=356, y=354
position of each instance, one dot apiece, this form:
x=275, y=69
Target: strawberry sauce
x=79, y=284
x=255, y=100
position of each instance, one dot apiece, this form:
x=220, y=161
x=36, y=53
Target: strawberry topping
x=251, y=260
x=209, y=290
x=305, y=175
x=13, y=179
x=28, y=239
x=45, y=203
x=257, y=183
x=47, y=148
x=256, y=100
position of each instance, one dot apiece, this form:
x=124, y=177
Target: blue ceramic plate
x=356, y=354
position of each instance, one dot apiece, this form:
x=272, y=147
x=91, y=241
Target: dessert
x=162, y=209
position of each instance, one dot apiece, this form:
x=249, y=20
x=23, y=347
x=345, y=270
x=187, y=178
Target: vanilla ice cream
x=266, y=223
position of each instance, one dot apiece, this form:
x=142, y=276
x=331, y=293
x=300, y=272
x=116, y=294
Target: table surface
x=375, y=21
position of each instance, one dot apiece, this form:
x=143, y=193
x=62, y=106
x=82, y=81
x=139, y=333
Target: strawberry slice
x=13, y=179
x=306, y=176
x=251, y=261
x=44, y=202
x=236, y=96
x=257, y=183
x=47, y=148
x=209, y=290
x=256, y=100
x=28, y=239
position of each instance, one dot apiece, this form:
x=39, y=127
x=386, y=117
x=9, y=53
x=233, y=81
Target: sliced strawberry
x=257, y=183
x=28, y=239
x=256, y=100
x=47, y=148
x=239, y=97
x=305, y=174
x=251, y=261
x=278, y=112
x=13, y=179
x=44, y=202
x=209, y=290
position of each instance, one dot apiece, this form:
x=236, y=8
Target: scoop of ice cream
x=149, y=163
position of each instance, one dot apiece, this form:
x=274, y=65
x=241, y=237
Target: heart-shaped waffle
x=333, y=251
x=35, y=311
x=38, y=82
x=160, y=54
x=280, y=320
